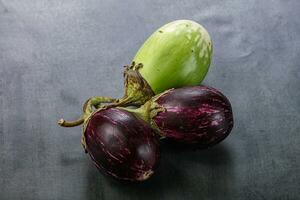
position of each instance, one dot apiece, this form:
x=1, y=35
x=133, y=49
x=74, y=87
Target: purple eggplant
x=199, y=115
x=122, y=145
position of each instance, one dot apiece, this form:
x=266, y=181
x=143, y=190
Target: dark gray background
x=56, y=54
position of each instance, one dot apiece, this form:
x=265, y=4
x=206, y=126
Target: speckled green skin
x=177, y=54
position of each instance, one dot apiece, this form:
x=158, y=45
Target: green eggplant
x=177, y=54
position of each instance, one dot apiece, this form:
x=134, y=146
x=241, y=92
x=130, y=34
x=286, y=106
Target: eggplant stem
x=96, y=103
x=123, y=102
x=65, y=123
x=87, y=109
x=98, y=100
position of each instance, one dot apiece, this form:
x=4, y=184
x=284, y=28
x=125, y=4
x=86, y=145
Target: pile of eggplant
x=163, y=100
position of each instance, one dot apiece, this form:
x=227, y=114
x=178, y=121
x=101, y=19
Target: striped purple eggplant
x=198, y=115
x=121, y=145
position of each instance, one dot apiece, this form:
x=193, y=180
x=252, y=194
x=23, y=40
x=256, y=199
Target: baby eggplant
x=120, y=144
x=176, y=55
x=198, y=115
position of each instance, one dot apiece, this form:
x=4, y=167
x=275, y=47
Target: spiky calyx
x=149, y=111
x=137, y=90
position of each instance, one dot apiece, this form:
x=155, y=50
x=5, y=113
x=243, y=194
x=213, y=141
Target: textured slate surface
x=55, y=54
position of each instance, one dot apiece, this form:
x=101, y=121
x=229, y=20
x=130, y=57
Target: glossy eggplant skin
x=199, y=115
x=121, y=145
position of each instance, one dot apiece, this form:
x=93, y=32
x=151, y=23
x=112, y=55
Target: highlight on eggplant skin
x=198, y=115
x=121, y=145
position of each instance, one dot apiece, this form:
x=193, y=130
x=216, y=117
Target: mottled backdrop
x=55, y=54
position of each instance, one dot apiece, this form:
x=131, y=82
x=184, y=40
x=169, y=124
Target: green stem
x=87, y=110
x=65, y=123
x=125, y=101
x=98, y=100
x=95, y=102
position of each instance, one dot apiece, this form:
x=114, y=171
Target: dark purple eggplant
x=120, y=144
x=199, y=115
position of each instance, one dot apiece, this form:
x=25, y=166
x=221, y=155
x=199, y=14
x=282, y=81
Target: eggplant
x=199, y=115
x=177, y=54
x=120, y=144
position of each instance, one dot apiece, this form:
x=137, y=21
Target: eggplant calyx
x=152, y=108
x=147, y=112
x=155, y=109
x=137, y=90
